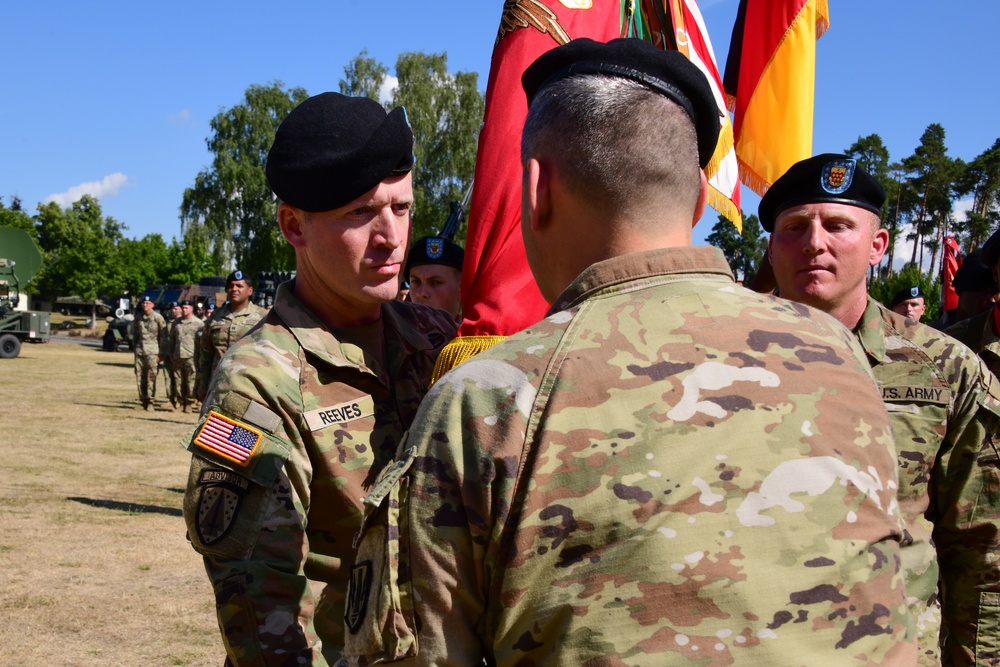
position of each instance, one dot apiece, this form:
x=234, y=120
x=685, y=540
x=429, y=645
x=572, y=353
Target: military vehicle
x=20, y=260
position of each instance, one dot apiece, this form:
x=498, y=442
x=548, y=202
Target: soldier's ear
x=291, y=221
x=538, y=193
x=699, y=208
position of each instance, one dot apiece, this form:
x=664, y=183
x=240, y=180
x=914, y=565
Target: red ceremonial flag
x=499, y=294
x=678, y=25
x=949, y=267
x=770, y=82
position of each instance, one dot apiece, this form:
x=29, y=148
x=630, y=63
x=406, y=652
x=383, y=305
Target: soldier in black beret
x=434, y=273
x=823, y=215
x=304, y=410
x=909, y=302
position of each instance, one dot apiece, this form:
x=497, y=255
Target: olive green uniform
x=183, y=347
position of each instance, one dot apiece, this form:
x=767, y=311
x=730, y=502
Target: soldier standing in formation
x=183, y=348
x=166, y=354
x=305, y=409
x=226, y=326
x=146, y=330
x=668, y=468
x=823, y=216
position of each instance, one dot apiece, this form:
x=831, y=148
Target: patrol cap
x=830, y=177
x=434, y=250
x=974, y=275
x=237, y=275
x=333, y=148
x=991, y=249
x=906, y=293
x=668, y=73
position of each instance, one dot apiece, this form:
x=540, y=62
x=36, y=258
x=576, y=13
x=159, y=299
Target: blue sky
x=114, y=98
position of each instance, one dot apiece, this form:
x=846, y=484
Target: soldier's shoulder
x=957, y=361
x=269, y=349
x=970, y=330
x=424, y=319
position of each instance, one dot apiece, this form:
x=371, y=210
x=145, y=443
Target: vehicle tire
x=10, y=346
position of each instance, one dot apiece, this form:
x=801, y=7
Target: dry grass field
x=95, y=567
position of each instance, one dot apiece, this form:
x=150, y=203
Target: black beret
x=238, y=275
x=991, y=249
x=669, y=73
x=333, y=148
x=905, y=294
x=174, y=304
x=434, y=250
x=974, y=275
x=146, y=298
x=830, y=177
x=186, y=302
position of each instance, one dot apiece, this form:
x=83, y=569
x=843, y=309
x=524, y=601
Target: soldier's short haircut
x=618, y=145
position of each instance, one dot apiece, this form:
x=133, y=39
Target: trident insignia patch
x=357, y=595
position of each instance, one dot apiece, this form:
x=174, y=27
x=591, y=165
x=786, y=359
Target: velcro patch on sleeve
x=340, y=414
x=231, y=439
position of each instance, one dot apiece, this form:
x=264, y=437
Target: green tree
x=16, y=217
x=745, y=251
x=446, y=112
x=231, y=199
x=364, y=77
x=190, y=258
x=80, y=248
x=141, y=262
x=931, y=175
x=981, y=179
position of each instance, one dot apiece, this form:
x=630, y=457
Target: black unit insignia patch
x=357, y=595
x=221, y=493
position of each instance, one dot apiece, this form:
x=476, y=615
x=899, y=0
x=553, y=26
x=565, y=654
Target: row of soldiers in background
x=187, y=347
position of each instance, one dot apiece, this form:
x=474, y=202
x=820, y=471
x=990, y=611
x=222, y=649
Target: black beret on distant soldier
x=435, y=250
x=905, y=294
x=333, y=148
x=830, y=177
x=668, y=73
x=975, y=274
x=237, y=275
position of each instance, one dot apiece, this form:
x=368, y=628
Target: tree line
x=228, y=215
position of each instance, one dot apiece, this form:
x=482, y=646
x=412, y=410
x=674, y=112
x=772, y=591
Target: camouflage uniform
x=221, y=331
x=183, y=349
x=943, y=406
x=979, y=333
x=167, y=359
x=668, y=469
x=146, y=331
x=328, y=417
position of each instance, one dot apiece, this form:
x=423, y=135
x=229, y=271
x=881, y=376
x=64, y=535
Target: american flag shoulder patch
x=230, y=439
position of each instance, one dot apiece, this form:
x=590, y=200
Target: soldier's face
x=820, y=254
x=186, y=311
x=175, y=311
x=436, y=285
x=349, y=260
x=238, y=292
x=911, y=308
x=147, y=307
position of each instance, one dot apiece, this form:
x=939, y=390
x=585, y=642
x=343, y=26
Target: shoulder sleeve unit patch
x=233, y=440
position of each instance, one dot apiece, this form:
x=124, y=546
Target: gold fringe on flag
x=724, y=205
x=459, y=350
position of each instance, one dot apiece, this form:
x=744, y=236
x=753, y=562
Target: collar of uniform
x=403, y=327
x=871, y=330
x=635, y=266
x=316, y=338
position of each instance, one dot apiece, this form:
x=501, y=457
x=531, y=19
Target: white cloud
x=390, y=84
x=106, y=187
x=180, y=118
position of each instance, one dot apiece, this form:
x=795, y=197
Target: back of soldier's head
x=619, y=146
